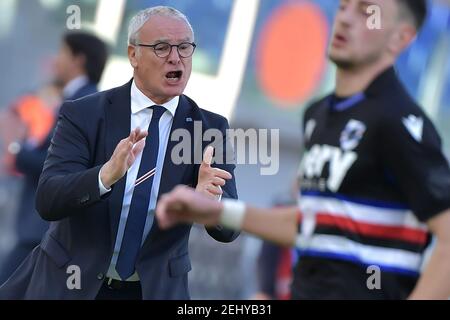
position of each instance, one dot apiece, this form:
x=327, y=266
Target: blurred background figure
x=270, y=55
x=274, y=270
x=275, y=263
x=27, y=129
x=28, y=119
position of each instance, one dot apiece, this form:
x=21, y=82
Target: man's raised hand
x=123, y=157
x=210, y=180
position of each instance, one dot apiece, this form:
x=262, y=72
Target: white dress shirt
x=141, y=116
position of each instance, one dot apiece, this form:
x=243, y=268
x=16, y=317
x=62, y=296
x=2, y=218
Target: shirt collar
x=384, y=83
x=341, y=104
x=140, y=101
x=74, y=85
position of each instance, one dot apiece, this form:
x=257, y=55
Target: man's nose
x=346, y=16
x=174, y=56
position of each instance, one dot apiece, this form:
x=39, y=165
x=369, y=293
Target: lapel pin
x=188, y=119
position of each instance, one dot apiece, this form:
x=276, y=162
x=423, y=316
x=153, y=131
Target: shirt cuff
x=101, y=187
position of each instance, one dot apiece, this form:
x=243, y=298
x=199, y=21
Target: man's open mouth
x=340, y=38
x=174, y=75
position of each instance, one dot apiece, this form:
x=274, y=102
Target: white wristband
x=233, y=214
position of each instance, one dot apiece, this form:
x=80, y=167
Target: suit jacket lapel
x=118, y=127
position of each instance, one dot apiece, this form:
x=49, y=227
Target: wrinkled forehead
x=167, y=29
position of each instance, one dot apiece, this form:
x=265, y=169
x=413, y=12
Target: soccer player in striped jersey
x=375, y=183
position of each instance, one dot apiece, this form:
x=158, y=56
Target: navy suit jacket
x=84, y=226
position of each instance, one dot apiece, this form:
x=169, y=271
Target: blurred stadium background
x=259, y=63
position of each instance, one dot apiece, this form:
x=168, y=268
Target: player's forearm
x=278, y=225
x=435, y=280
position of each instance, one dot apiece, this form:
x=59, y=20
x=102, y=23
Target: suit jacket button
x=100, y=276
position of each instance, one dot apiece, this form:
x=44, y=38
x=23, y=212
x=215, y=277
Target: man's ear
x=132, y=52
x=402, y=38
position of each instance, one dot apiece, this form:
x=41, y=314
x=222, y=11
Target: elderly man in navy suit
x=109, y=160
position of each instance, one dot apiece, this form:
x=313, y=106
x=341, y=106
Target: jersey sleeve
x=411, y=150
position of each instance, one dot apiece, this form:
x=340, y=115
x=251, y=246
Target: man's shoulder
x=101, y=95
x=86, y=90
x=90, y=104
x=202, y=113
x=397, y=105
x=316, y=105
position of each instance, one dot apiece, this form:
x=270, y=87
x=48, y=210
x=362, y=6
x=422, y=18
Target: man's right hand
x=123, y=157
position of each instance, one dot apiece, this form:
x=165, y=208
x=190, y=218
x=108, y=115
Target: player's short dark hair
x=418, y=9
x=94, y=50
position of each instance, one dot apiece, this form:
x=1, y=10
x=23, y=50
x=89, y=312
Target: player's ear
x=401, y=38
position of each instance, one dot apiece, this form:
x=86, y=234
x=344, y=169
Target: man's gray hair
x=141, y=18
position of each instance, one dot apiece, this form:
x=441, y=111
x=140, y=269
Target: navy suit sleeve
x=68, y=183
x=226, y=154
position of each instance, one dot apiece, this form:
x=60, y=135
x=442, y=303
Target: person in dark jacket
x=78, y=68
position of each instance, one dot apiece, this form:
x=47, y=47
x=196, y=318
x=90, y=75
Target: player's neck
x=354, y=80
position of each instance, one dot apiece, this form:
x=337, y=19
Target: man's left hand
x=210, y=180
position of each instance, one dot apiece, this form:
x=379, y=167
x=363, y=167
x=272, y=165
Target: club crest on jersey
x=352, y=135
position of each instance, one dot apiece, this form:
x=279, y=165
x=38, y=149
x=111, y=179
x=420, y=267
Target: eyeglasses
x=164, y=49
